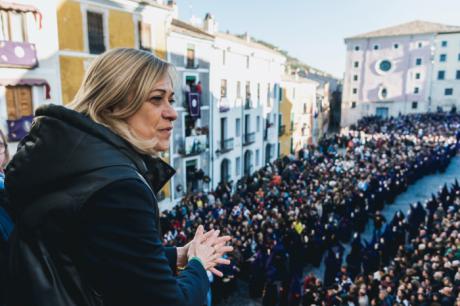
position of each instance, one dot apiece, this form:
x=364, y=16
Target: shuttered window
x=19, y=102
x=145, y=36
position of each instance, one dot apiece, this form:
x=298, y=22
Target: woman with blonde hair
x=84, y=182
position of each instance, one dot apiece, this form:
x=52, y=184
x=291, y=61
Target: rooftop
x=180, y=26
x=409, y=28
x=249, y=43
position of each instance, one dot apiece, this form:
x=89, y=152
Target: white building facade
x=245, y=90
x=190, y=49
x=390, y=71
x=445, y=86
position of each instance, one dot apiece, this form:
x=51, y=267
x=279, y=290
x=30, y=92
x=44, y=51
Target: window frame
x=105, y=22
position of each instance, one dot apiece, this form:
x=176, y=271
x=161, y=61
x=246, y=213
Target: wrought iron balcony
x=226, y=145
x=249, y=138
x=193, y=145
x=248, y=104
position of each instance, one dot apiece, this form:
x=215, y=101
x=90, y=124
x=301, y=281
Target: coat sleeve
x=171, y=255
x=123, y=256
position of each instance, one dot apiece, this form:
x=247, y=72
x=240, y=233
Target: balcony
x=193, y=145
x=18, y=54
x=191, y=64
x=226, y=145
x=223, y=105
x=282, y=130
x=249, y=138
x=248, y=104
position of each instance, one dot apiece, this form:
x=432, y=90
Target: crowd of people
x=298, y=211
x=417, y=261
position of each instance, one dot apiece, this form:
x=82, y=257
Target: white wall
x=450, y=66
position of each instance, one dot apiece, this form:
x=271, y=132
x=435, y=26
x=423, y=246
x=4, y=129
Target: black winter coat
x=87, y=227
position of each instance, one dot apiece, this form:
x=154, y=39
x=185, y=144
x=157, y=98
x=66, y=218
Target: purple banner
x=18, y=129
x=17, y=54
x=194, y=104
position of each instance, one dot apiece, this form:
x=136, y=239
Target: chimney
x=210, y=24
x=173, y=5
x=246, y=37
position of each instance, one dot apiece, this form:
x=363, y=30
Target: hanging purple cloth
x=18, y=129
x=194, y=104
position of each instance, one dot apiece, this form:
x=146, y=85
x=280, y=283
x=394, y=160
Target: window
x=257, y=157
x=356, y=64
x=247, y=61
x=18, y=102
x=416, y=90
x=353, y=104
x=238, y=89
x=96, y=42
x=383, y=93
x=385, y=66
x=376, y=47
x=190, y=56
x=414, y=104
x=145, y=36
x=223, y=88
x=444, y=43
x=448, y=91
x=441, y=74
x=248, y=91
x=417, y=76
x=238, y=127
x=355, y=77
x=355, y=91
x=268, y=95
x=258, y=93
x=258, y=124
x=442, y=57
x=224, y=57
x=305, y=108
x=457, y=76
x=356, y=48
x=396, y=46
x=459, y=56
x=418, y=61
x=420, y=45
x=237, y=166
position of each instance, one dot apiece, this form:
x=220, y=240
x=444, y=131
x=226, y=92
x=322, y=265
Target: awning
x=22, y=8
x=30, y=82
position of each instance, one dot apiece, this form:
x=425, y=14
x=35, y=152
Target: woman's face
x=154, y=120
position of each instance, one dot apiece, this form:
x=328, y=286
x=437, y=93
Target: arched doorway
x=268, y=152
x=248, y=167
x=225, y=170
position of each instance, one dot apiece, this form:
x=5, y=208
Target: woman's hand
x=209, y=248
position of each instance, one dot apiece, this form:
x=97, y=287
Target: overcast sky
x=313, y=30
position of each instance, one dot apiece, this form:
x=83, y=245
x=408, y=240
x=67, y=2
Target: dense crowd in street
x=298, y=211
x=417, y=261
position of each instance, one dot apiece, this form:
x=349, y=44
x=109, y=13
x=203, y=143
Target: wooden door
x=19, y=102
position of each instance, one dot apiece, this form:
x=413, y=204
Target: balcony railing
x=18, y=54
x=226, y=145
x=193, y=145
x=248, y=104
x=282, y=130
x=249, y=138
x=223, y=105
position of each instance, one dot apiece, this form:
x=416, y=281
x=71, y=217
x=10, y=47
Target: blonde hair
x=114, y=88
